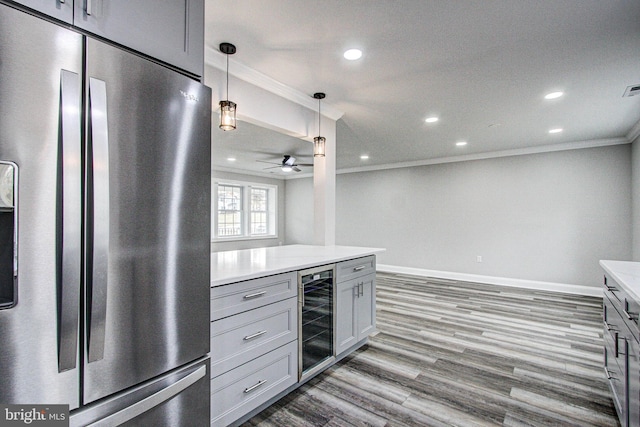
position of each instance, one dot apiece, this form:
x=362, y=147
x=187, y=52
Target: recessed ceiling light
x=555, y=130
x=553, y=95
x=231, y=159
x=461, y=143
x=364, y=157
x=353, y=54
x=431, y=119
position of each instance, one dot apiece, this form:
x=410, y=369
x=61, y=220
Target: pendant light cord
x=319, y=115
x=227, y=77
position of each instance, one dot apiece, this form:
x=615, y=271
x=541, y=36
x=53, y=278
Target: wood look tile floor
x=463, y=354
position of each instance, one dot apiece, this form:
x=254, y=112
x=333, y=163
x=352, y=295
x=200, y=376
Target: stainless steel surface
x=157, y=398
x=70, y=264
x=150, y=162
x=98, y=147
x=32, y=54
x=172, y=400
x=157, y=302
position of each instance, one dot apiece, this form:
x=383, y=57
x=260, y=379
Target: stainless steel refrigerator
x=104, y=228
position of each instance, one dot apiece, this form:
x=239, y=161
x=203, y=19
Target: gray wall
x=544, y=217
x=299, y=211
x=635, y=187
x=254, y=243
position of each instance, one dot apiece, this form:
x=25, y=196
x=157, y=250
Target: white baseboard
x=593, y=291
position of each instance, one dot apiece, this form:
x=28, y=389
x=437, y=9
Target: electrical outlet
x=479, y=258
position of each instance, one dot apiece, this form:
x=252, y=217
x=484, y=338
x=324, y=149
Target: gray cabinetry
x=622, y=351
x=61, y=10
x=171, y=30
x=254, y=347
x=355, y=302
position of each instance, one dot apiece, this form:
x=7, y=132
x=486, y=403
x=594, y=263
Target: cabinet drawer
x=351, y=269
x=614, y=368
x=235, y=298
x=238, y=339
x=628, y=307
x=245, y=388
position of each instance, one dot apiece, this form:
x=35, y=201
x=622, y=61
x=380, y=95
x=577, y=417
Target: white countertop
x=235, y=266
x=626, y=273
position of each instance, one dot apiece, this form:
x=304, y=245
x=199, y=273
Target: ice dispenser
x=8, y=234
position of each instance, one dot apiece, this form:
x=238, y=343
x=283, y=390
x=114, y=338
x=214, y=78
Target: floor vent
x=632, y=90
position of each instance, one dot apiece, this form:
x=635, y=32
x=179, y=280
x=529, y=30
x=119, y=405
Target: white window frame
x=272, y=210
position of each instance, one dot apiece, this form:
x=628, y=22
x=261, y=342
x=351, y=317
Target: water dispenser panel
x=8, y=234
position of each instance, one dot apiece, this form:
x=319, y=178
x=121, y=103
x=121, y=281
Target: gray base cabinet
x=171, y=31
x=355, y=302
x=255, y=332
x=622, y=351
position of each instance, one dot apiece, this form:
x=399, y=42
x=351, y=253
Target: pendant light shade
x=318, y=146
x=319, y=141
x=227, y=108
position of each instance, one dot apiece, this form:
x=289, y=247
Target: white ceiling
x=482, y=67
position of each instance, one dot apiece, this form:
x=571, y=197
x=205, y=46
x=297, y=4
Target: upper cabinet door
x=61, y=10
x=170, y=30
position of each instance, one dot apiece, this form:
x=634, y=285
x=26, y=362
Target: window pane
x=229, y=210
x=259, y=211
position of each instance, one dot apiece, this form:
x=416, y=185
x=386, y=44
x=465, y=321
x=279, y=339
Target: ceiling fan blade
x=296, y=168
x=271, y=163
x=304, y=164
x=272, y=167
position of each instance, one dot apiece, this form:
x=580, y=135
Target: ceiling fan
x=288, y=164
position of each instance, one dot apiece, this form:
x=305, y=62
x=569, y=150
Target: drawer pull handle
x=255, y=386
x=255, y=295
x=608, y=326
x=630, y=316
x=358, y=268
x=611, y=288
x=256, y=335
x=609, y=376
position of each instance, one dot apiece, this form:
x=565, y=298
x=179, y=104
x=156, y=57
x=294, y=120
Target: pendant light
x=227, y=108
x=318, y=141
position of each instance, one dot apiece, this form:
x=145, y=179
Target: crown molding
x=494, y=154
x=218, y=60
x=634, y=133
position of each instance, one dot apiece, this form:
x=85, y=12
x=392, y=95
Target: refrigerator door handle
x=152, y=401
x=70, y=208
x=98, y=131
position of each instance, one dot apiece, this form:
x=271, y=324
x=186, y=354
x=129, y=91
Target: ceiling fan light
x=227, y=115
x=286, y=168
x=318, y=146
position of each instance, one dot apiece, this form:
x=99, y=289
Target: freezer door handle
x=99, y=146
x=152, y=401
x=70, y=215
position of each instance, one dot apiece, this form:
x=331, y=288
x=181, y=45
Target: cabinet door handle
x=255, y=386
x=87, y=7
x=254, y=295
x=361, y=289
x=256, y=335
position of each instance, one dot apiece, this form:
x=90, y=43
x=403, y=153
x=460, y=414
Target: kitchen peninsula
x=279, y=316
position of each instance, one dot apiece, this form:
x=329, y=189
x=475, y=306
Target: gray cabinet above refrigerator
x=171, y=31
